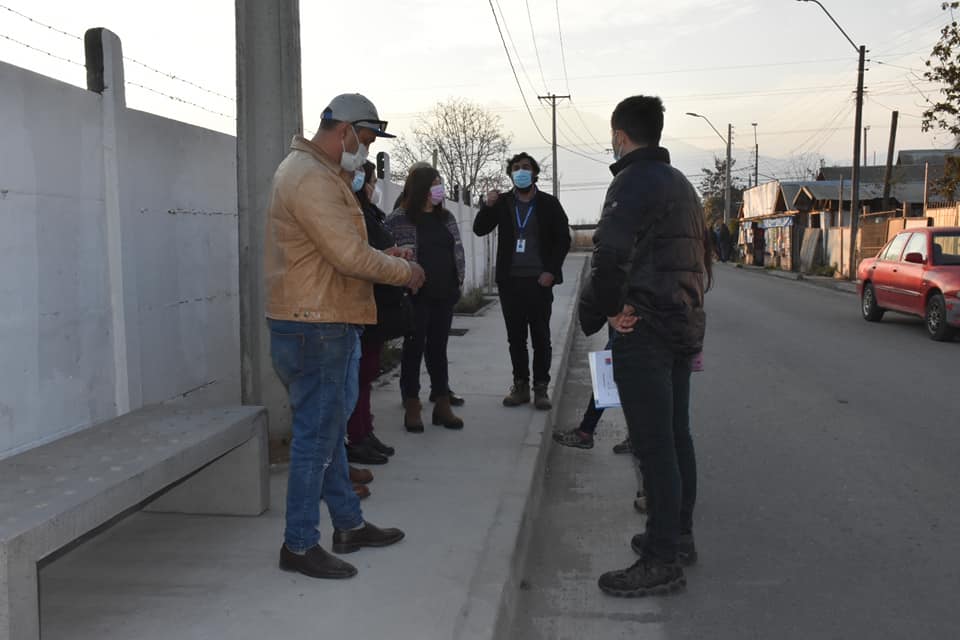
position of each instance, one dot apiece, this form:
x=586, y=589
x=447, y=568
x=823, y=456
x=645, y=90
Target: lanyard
x=521, y=226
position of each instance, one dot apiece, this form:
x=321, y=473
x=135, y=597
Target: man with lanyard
x=533, y=242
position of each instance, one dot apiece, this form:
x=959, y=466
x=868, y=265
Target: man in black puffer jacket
x=648, y=279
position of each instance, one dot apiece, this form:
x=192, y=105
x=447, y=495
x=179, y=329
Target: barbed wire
x=181, y=100
x=44, y=51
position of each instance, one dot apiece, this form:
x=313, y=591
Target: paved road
x=829, y=503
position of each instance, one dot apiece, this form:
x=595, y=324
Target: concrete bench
x=176, y=460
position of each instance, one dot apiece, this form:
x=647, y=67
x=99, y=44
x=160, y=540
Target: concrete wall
x=118, y=258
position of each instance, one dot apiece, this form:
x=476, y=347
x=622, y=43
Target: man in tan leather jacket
x=320, y=272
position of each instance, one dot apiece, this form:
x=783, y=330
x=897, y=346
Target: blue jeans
x=654, y=385
x=319, y=365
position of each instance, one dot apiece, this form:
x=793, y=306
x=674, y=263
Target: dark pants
x=361, y=422
x=591, y=417
x=527, y=307
x=432, y=321
x=654, y=386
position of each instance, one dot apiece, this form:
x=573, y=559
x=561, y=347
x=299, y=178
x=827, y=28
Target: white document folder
x=605, y=392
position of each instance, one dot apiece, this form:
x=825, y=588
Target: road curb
x=818, y=281
x=490, y=609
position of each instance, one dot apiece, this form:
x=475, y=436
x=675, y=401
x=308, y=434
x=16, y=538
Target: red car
x=918, y=273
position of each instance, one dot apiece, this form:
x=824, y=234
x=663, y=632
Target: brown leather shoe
x=412, y=420
x=443, y=415
x=367, y=536
x=361, y=490
x=360, y=476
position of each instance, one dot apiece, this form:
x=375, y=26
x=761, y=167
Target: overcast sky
x=779, y=63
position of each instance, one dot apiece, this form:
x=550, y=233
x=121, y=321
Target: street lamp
x=726, y=179
x=756, y=157
x=855, y=177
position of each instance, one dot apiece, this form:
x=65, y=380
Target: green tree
x=943, y=67
x=712, y=190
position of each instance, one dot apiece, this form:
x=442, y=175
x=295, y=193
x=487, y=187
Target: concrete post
x=104, y=61
x=269, y=114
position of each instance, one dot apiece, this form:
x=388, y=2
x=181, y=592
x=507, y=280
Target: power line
x=515, y=77
x=536, y=49
x=566, y=76
x=516, y=52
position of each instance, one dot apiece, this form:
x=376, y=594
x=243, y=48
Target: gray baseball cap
x=357, y=110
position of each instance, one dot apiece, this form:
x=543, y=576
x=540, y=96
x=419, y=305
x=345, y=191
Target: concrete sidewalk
x=465, y=500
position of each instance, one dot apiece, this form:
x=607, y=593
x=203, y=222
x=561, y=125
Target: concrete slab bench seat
x=166, y=458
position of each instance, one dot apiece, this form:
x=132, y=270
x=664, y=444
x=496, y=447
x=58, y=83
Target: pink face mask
x=436, y=194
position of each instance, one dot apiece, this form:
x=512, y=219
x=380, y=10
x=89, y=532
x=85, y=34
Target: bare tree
x=469, y=141
x=804, y=166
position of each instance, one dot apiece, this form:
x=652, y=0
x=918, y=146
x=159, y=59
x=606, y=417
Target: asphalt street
x=828, y=504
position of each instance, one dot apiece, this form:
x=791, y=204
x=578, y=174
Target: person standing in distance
x=320, y=271
x=533, y=242
x=648, y=278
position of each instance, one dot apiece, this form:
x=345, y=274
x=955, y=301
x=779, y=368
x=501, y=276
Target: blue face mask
x=522, y=178
x=359, y=178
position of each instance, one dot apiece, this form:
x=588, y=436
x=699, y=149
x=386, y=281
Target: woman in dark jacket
x=364, y=446
x=422, y=224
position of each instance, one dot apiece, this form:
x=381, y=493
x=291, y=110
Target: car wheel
x=868, y=304
x=936, y=319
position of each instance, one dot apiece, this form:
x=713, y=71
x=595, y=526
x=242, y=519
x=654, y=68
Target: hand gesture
x=492, y=197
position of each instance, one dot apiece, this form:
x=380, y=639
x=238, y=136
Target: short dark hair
x=523, y=156
x=329, y=125
x=368, y=170
x=641, y=118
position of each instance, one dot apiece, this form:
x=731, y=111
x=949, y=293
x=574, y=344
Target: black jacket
x=394, y=310
x=649, y=251
x=551, y=221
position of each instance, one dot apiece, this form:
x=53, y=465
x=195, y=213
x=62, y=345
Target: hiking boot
x=541, y=400
x=379, y=446
x=519, y=394
x=443, y=415
x=455, y=400
x=574, y=438
x=640, y=503
x=645, y=577
x=412, y=420
x=623, y=447
x=686, y=549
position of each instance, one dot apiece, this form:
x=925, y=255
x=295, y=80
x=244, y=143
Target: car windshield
x=946, y=249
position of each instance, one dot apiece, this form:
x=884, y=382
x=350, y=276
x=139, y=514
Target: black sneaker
x=378, y=446
x=645, y=577
x=623, y=447
x=364, y=453
x=686, y=549
x=316, y=563
x=574, y=438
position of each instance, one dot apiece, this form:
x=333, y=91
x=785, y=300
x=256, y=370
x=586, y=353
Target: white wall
x=177, y=280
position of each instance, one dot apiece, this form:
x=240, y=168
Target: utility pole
x=726, y=188
x=855, y=196
x=756, y=157
x=552, y=99
x=888, y=174
x=865, y=146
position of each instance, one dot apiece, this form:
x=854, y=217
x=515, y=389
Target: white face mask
x=353, y=161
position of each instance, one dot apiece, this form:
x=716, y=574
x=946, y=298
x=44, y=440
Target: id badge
x=521, y=245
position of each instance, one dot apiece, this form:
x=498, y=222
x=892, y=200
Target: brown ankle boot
x=541, y=399
x=443, y=415
x=412, y=420
x=519, y=394
x=360, y=476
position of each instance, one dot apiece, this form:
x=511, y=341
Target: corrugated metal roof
x=899, y=173
x=910, y=193
x=921, y=156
